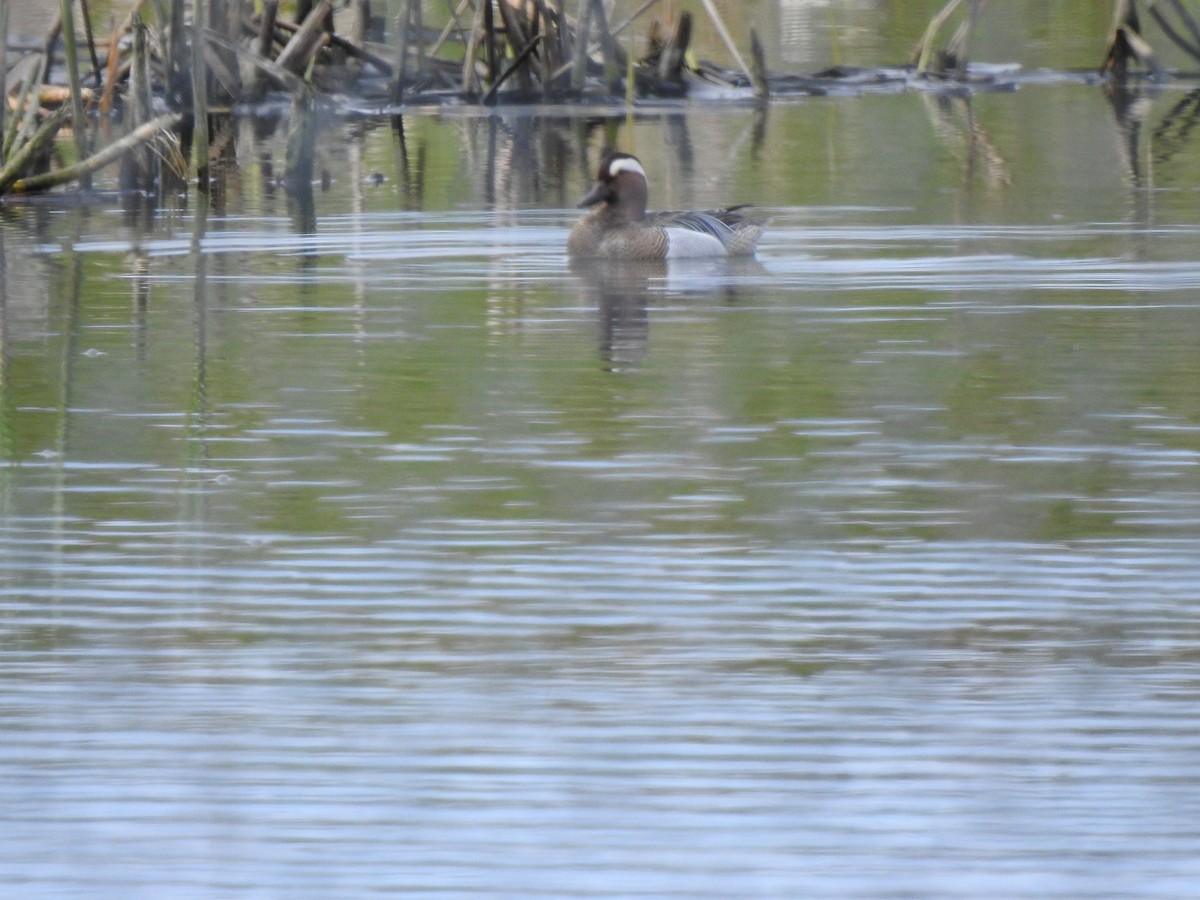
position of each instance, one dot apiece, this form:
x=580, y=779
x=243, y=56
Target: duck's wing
x=744, y=229
x=700, y=222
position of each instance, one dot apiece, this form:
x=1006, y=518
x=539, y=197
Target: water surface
x=361, y=544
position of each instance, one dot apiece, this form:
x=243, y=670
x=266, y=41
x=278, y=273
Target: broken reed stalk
x=138, y=166
x=1127, y=43
x=959, y=46
x=291, y=83
x=514, y=31
x=3, y=69
x=403, y=17
x=112, y=65
x=299, y=51
x=489, y=41
x=381, y=65
x=177, y=77
x=610, y=52
x=26, y=109
x=719, y=24
x=417, y=27
x=758, y=67
x=140, y=92
x=512, y=67
x=470, y=78
x=78, y=120
x=630, y=82
x=546, y=25
x=583, y=40
x=924, y=51
x=28, y=105
x=583, y=28
x=225, y=75
x=91, y=39
x=140, y=135
x=266, y=28
x=561, y=51
x=674, y=50
x=26, y=152
x=577, y=66
x=361, y=22
x=199, y=91
x=403, y=31
x=255, y=82
x=451, y=25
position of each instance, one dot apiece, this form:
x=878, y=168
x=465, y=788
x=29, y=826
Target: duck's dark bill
x=598, y=192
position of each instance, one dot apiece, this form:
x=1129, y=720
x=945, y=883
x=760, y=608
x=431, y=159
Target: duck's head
x=621, y=184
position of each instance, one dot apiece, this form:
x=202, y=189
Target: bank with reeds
x=150, y=95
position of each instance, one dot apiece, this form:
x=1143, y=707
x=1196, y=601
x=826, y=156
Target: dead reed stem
x=78, y=119
x=583, y=27
x=470, y=79
x=3, y=69
x=91, y=39
x=719, y=24
x=758, y=70
x=450, y=26
x=514, y=66
x=298, y=52
x=199, y=91
x=26, y=152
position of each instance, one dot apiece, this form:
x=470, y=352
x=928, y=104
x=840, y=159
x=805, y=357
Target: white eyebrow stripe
x=625, y=164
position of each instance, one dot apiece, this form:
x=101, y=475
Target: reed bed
x=145, y=95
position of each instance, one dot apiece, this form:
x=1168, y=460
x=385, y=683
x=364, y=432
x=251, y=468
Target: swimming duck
x=620, y=228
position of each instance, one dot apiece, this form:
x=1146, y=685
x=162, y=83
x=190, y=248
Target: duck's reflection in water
x=624, y=290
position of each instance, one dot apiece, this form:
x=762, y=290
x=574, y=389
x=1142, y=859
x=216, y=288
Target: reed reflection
x=7, y=449
x=1173, y=133
x=960, y=131
x=410, y=167
x=621, y=295
x=624, y=291
x=1149, y=153
x=1130, y=108
x=521, y=161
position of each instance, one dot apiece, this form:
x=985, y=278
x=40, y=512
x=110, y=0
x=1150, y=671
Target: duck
x=620, y=227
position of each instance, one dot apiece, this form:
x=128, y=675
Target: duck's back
x=718, y=232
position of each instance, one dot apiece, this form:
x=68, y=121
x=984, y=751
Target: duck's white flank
x=683, y=243
x=625, y=164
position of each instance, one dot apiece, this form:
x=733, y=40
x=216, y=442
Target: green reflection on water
x=315, y=389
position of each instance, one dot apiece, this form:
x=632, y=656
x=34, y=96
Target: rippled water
x=395, y=554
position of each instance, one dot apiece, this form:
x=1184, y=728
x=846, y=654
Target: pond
x=358, y=543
